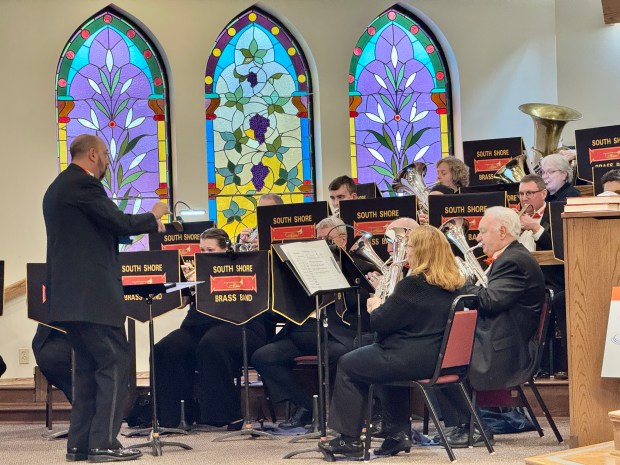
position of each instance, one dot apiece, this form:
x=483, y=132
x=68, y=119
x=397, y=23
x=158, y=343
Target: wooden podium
x=592, y=268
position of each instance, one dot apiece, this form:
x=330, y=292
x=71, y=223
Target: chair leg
x=425, y=421
x=433, y=414
x=49, y=409
x=368, y=423
x=474, y=414
x=525, y=402
x=544, y=408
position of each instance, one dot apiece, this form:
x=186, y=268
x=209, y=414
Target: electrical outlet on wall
x=24, y=356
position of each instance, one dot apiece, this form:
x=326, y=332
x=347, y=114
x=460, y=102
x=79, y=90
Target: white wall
x=505, y=51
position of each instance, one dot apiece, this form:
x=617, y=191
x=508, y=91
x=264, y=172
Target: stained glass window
x=111, y=83
x=258, y=120
x=399, y=99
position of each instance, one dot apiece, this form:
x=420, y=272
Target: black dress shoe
x=302, y=417
x=395, y=443
x=339, y=446
x=113, y=455
x=235, y=425
x=460, y=438
x=76, y=455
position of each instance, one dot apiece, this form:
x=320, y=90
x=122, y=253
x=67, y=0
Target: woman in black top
x=409, y=327
x=208, y=352
x=558, y=176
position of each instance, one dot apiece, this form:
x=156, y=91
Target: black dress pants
x=209, y=356
x=357, y=370
x=275, y=362
x=54, y=361
x=101, y=391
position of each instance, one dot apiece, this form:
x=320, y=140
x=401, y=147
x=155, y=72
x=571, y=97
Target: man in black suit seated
x=85, y=295
x=508, y=314
x=274, y=361
x=52, y=351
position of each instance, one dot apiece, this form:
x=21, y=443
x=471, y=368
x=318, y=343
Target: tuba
x=549, y=121
x=410, y=180
x=455, y=230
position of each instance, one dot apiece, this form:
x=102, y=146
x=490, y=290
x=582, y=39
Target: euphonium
x=513, y=171
x=394, y=273
x=364, y=249
x=410, y=180
x=455, y=230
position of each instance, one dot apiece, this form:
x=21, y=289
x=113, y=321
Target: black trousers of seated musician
x=101, y=391
x=211, y=357
x=53, y=357
x=275, y=361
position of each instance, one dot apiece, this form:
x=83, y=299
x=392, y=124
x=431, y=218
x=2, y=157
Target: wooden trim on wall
x=611, y=11
x=14, y=290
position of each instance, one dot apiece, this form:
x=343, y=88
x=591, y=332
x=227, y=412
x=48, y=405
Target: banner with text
x=597, y=147
x=485, y=157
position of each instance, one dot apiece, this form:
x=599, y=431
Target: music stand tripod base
x=148, y=292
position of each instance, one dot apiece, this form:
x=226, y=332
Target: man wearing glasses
x=535, y=217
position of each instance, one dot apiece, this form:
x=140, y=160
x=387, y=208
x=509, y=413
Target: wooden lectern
x=592, y=268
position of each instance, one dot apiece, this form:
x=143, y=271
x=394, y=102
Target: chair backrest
x=543, y=323
x=458, y=340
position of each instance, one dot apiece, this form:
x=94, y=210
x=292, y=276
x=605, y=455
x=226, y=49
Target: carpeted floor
x=24, y=445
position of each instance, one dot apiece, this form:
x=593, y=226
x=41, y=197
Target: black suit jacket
x=83, y=269
x=509, y=309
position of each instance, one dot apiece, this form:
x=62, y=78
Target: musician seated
x=611, y=183
x=452, y=174
x=207, y=352
x=409, y=326
x=263, y=201
x=341, y=188
x=509, y=307
x=52, y=352
x=535, y=224
x=275, y=361
x=558, y=176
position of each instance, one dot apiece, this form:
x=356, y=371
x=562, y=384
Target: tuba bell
x=549, y=121
x=363, y=248
x=410, y=180
x=455, y=230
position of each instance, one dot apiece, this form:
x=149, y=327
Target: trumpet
x=248, y=244
x=523, y=209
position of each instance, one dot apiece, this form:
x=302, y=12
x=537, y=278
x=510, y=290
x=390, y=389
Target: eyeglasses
x=529, y=193
x=548, y=172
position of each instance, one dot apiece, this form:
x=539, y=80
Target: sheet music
x=316, y=266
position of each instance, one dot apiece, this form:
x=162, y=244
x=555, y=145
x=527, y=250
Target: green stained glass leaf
x=399, y=79
x=231, y=166
x=388, y=139
x=387, y=102
x=280, y=182
x=120, y=108
x=260, y=53
x=381, y=139
x=103, y=109
x=412, y=138
x=130, y=145
x=393, y=165
x=237, y=180
x=119, y=176
x=388, y=72
x=276, y=76
x=104, y=80
x=115, y=80
x=383, y=171
x=405, y=102
x=253, y=47
x=246, y=53
x=229, y=103
x=283, y=173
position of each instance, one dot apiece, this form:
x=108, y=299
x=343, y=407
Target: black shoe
x=561, y=375
x=460, y=439
x=76, y=455
x=113, y=455
x=395, y=443
x=302, y=417
x=377, y=428
x=235, y=425
x=339, y=446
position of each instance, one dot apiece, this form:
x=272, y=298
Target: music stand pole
x=154, y=441
x=322, y=408
x=248, y=428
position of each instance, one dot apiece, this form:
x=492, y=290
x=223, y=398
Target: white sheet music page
x=316, y=265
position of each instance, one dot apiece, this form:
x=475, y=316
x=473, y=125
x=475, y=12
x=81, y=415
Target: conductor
x=85, y=295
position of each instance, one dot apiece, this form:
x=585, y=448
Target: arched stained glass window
x=399, y=99
x=258, y=120
x=111, y=83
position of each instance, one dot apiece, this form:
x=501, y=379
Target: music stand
x=241, y=284
x=308, y=261
x=148, y=292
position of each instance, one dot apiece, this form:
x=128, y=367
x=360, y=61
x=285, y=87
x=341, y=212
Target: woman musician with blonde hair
x=409, y=326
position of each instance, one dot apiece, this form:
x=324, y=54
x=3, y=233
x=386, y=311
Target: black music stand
x=322, y=353
x=148, y=292
x=248, y=428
